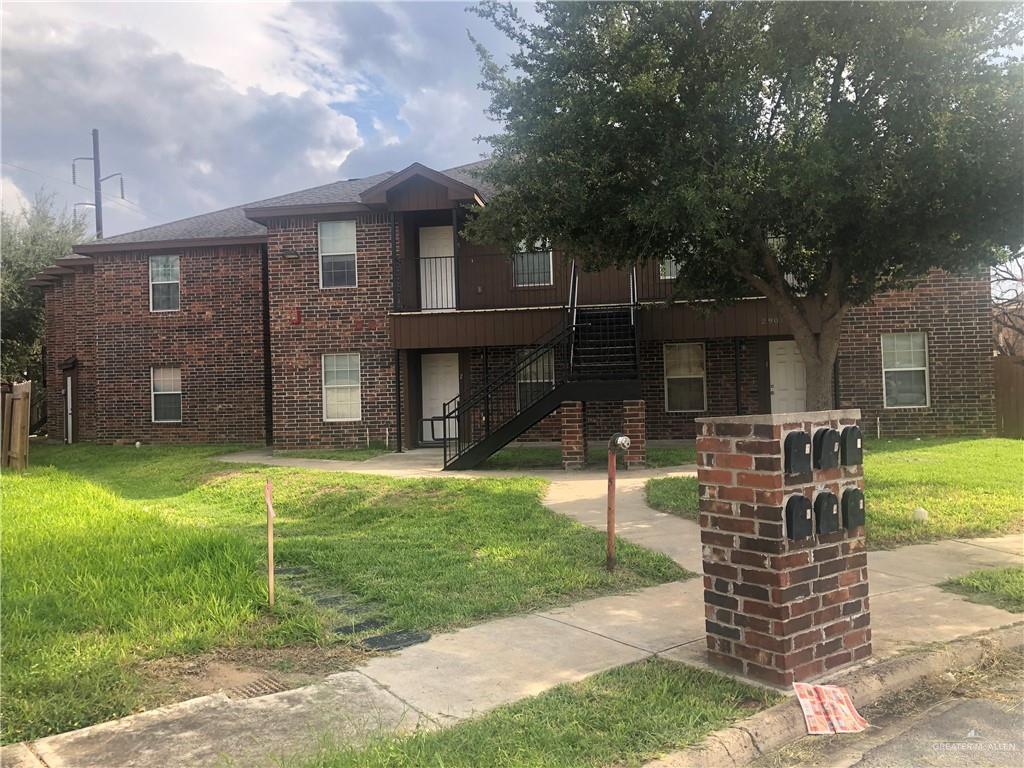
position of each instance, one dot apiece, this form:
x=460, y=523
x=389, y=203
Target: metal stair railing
x=467, y=421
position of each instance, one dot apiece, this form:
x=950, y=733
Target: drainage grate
x=261, y=687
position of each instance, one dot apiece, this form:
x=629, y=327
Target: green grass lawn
x=1001, y=587
x=621, y=718
x=970, y=487
x=113, y=555
x=550, y=457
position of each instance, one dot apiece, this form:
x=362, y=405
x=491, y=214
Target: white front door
x=437, y=268
x=440, y=382
x=787, y=376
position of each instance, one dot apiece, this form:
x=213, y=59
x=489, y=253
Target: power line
x=115, y=200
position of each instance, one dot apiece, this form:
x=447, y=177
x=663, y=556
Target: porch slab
x=476, y=669
x=654, y=619
x=216, y=730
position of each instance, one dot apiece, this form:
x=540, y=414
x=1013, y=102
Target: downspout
x=268, y=370
x=395, y=294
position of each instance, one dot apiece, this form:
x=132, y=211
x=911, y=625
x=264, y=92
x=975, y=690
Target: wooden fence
x=17, y=407
x=1009, y=376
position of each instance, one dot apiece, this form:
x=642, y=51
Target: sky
x=207, y=105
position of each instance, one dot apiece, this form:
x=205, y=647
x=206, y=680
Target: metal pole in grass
x=268, y=494
x=618, y=443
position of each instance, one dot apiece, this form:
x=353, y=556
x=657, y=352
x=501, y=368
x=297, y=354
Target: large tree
x=30, y=240
x=811, y=153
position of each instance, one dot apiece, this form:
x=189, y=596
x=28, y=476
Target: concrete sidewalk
x=464, y=673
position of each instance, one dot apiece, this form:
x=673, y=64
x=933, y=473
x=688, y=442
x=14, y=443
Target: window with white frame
x=532, y=265
x=341, y=391
x=668, y=269
x=165, y=394
x=685, y=385
x=534, y=376
x=905, y=370
x=164, y=283
x=337, y=254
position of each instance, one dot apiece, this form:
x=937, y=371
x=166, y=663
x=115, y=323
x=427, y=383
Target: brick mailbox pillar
x=782, y=529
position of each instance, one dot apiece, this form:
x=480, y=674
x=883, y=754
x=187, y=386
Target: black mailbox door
x=798, y=517
x=826, y=512
x=852, y=446
x=798, y=453
x=853, y=508
x=826, y=449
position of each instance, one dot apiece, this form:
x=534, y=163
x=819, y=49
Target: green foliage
x=115, y=554
x=1001, y=587
x=30, y=240
x=811, y=153
x=622, y=717
x=883, y=135
x=970, y=487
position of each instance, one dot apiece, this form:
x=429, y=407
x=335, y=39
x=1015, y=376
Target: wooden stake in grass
x=268, y=494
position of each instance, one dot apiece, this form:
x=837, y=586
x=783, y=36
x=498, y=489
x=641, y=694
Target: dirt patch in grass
x=176, y=678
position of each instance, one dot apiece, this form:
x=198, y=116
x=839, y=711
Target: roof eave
x=160, y=245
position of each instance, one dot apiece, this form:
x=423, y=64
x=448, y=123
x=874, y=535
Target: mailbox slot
x=826, y=448
x=798, y=517
x=853, y=508
x=852, y=446
x=798, y=453
x=826, y=512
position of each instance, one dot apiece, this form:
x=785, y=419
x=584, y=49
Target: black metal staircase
x=591, y=356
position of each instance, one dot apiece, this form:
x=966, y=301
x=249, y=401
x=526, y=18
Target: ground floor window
x=905, y=370
x=534, y=376
x=685, y=388
x=341, y=390
x=165, y=394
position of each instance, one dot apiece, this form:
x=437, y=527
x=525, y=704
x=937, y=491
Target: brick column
x=634, y=426
x=779, y=609
x=574, y=441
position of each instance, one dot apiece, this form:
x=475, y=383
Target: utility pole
x=97, y=181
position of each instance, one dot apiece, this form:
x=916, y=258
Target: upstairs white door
x=440, y=381
x=787, y=376
x=437, y=268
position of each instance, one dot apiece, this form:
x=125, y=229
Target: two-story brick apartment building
x=356, y=312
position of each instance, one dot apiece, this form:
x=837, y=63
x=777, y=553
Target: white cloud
x=12, y=199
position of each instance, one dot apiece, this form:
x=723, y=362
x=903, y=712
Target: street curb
x=774, y=728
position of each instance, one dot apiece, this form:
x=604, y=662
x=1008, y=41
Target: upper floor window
x=341, y=391
x=165, y=394
x=668, y=269
x=905, y=370
x=337, y=254
x=164, y=283
x=532, y=265
x=685, y=388
x=535, y=377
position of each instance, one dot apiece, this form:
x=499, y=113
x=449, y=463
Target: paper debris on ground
x=828, y=709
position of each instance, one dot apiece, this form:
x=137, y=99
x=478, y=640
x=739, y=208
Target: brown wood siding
x=438, y=330
x=418, y=194
x=753, y=317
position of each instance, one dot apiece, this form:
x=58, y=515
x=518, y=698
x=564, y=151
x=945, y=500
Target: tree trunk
x=819, y=367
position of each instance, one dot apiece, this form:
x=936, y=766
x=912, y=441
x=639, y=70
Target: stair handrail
x=634, y=303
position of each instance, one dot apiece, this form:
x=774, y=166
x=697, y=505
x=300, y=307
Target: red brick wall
x=71, y=332
x=955, y=313
x=777, y=609
x=215, y=338
x=333, y=320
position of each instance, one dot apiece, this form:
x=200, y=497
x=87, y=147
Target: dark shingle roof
x=229, y=222
x=232, y=222
x=468, y=174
